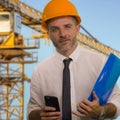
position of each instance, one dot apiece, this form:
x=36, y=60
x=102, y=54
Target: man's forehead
x=65, y=19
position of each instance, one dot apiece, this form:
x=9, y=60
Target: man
x=62, y=21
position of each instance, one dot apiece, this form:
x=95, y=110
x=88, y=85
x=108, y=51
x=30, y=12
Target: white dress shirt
x=84, y=70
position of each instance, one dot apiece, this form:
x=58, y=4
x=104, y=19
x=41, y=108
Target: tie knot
x=67, y=62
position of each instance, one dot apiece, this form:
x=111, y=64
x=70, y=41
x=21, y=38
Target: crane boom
x=30, y=16
x=33, y=18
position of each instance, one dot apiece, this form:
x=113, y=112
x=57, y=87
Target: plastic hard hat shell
x=59, y=8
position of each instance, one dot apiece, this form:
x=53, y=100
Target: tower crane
x=13, y=54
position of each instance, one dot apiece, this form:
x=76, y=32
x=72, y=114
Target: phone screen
x=52, y=101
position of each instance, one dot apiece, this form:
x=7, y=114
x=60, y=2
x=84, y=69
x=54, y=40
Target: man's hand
x=89, y=109
x=46, y=113
x=49, y=113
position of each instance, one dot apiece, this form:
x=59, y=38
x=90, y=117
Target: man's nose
x=62, y=32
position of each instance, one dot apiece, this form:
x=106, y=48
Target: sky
x=99, y=17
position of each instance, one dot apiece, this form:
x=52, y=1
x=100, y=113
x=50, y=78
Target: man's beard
x=66, y=48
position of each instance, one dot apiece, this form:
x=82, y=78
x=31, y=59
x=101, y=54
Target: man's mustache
x=63, y=38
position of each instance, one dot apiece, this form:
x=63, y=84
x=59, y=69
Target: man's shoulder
x=90, y=52
x=46, y=63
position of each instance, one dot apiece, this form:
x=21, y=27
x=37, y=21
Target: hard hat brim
x=44, y=25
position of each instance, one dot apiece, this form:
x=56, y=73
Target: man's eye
x=53, y=29
x=68, y=26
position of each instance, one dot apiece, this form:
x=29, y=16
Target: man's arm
x=46, y=113
x=110, y=110
x=34, y=115
x=88, y=109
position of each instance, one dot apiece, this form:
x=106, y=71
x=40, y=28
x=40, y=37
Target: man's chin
x=65, y=49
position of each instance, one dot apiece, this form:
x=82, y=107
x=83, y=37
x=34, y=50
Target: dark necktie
x=66, y=94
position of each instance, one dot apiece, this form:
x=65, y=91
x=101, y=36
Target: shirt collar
x=74, y=55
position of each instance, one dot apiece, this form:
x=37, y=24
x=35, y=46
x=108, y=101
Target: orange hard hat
x=59, y=8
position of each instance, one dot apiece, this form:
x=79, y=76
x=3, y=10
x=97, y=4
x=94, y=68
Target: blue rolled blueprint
x=107, y=79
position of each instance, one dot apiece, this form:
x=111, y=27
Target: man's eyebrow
x=52, y=27
x=68, y=24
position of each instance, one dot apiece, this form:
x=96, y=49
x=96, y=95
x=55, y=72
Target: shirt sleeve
x=36, y=100
x=115, y=99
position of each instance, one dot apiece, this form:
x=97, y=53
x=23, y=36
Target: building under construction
x=16, y=51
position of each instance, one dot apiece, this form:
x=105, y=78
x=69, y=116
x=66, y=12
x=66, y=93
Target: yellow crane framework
x=13, y=54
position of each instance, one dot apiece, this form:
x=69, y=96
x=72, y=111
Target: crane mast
x=14, y=54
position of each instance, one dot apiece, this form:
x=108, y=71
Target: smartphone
x=52, y=101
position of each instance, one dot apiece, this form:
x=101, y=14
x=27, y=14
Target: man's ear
x=78, y=27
